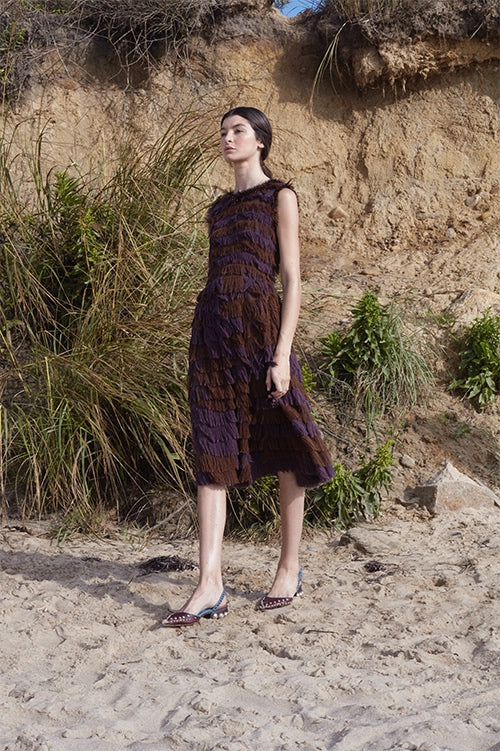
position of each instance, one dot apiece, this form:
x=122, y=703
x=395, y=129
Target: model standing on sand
x=249, y=411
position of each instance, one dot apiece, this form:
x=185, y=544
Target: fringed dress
x=239, y=433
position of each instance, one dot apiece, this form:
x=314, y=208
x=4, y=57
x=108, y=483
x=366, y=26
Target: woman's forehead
x=233, y=120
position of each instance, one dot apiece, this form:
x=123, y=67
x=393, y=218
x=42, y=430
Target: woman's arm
x=288, y=238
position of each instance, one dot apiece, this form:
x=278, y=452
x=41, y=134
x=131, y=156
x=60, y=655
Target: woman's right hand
x=278, y=377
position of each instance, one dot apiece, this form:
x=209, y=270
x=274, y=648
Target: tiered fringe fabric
x=238, y=433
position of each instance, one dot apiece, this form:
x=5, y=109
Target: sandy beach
x=393, y=645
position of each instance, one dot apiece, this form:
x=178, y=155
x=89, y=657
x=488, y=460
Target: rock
x=407, y=461
x=373, y=541
x=472, y=201
x=338, y=213
x=451, y=489
x=496, y=499
x=202, y=705
x=451, y=232
x=472, y=303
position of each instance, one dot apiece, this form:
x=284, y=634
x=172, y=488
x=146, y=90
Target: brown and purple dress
x=239, y=433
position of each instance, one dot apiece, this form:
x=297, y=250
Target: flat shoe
x=272, y=603
x=182, y=618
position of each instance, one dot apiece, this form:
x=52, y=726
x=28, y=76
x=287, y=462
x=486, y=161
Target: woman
x=249, y=410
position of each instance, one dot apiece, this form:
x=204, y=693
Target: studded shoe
x=271, y=603
x=182, y=618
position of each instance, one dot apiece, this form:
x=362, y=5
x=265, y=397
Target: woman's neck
x=245, y=178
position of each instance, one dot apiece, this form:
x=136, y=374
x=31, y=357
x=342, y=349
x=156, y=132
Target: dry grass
x=97, y=284
x=349, y=24
x=132, y=34
x=402, y=20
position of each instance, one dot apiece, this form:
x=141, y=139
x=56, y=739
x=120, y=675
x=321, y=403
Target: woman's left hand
x=278, y=377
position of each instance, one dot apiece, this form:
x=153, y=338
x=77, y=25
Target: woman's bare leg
x=211, y=519
x=292, y=517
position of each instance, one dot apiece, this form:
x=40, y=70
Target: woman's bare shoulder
x=287, y=199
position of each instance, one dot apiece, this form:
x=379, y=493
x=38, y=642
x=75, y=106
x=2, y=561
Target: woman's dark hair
x=262, y=129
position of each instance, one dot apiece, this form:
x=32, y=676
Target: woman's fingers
x=281, y=388
x=269, y=380
x=279, y=385
x=277, y=381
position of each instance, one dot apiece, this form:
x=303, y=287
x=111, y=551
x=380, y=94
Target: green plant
x=309, y=378
x=97, y=283
x=254, y=510
x=479, y=360
x=82, y=520
x=462, y=429
x=444, y=320
x=377, y=360
x=351, y=496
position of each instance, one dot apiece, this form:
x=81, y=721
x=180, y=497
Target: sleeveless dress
x=239, y=433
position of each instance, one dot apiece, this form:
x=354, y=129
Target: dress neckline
x=252, y=187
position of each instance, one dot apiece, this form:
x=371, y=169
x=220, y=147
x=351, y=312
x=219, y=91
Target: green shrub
x=479, y=360
x=352, y=496
x=376, y=359
x=97, y=283
x=349, y=497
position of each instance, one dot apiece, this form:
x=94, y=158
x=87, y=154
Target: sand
x=393, y=645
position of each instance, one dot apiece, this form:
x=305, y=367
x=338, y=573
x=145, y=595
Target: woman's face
x=238, y=140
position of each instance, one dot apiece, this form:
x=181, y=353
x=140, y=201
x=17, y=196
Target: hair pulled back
x=261, y=127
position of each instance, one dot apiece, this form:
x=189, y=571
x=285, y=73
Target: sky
x=297, y=6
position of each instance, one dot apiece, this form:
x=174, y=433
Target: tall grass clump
x=97, y=281
x=479, y=360
x=376, y=364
